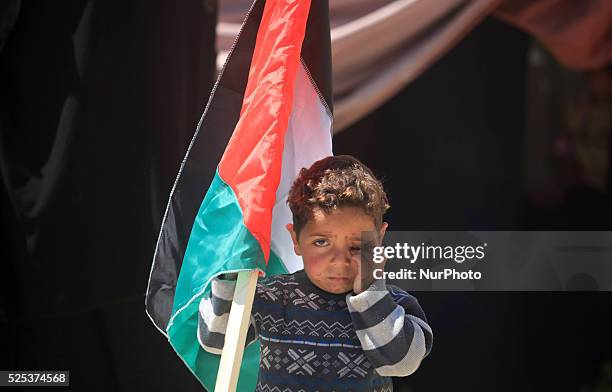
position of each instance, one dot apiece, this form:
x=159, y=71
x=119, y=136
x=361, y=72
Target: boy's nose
x=342, y=256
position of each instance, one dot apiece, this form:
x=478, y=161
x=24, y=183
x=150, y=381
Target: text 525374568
x=34, y=378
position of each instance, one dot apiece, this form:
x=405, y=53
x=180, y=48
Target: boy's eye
x=355, y=249
x=320, y=242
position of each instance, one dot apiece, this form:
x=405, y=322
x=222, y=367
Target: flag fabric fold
x=268, y=116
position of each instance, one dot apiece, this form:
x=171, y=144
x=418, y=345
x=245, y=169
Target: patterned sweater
x=312, y=340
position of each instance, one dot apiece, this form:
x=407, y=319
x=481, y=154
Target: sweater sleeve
x=395, y=336
x=213, y=314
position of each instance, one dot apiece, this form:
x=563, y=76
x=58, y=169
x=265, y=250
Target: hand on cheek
x=357, y=286
x=366, y=266
x=364, y=277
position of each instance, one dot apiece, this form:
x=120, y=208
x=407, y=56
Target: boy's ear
x=383, y=229
x=296, y=245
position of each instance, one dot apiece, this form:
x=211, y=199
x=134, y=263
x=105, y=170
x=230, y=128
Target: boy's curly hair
x=333, y=182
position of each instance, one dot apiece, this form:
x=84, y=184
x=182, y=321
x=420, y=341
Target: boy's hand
x=358, y=285
x=366, y=266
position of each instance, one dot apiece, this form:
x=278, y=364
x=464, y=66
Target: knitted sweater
x=312, y=340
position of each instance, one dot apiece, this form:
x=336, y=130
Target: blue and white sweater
x=312, y=340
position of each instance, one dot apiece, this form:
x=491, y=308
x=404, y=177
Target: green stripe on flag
x=219, y=242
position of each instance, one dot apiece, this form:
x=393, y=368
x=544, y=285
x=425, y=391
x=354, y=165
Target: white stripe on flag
x=308, y=139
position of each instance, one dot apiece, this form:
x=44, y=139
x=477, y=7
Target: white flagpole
x=237, y=328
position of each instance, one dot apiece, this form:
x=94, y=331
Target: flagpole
x=237, y=328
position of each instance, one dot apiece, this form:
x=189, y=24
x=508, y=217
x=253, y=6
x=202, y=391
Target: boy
x=319, y=329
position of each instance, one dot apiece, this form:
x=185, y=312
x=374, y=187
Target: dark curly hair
x=333, y=182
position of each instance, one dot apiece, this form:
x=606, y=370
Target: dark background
x=98, y=101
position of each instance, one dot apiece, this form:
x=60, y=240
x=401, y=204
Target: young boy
x=319, y=329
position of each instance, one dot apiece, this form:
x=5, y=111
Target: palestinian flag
x=268, y=116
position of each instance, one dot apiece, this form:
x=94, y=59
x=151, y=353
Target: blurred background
x=505, y=127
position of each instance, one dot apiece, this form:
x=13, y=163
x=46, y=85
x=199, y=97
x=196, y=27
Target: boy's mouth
x=338, y=278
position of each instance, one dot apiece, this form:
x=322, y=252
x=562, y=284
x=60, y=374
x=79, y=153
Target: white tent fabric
x=377, y=55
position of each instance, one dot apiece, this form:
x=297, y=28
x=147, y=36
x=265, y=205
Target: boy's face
x=330, y=246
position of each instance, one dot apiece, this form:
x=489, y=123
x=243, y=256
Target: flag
x=268, y=116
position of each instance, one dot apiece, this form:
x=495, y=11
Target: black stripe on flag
x=316, y=50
